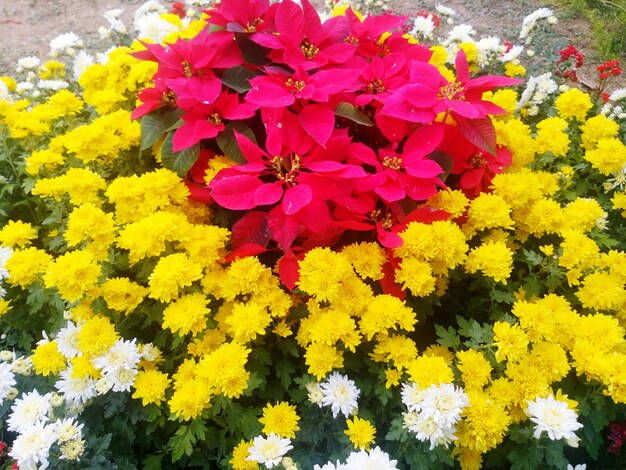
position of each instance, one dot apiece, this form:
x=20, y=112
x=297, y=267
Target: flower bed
x=254, y=238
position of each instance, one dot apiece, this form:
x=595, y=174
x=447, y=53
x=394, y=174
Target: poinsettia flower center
x=393, y=163
x=286, y=168
x=169, y=98
x=352, y=40
x=294, y=86
x=215, y=119
x=309, y=50
x=452, y=91
x=186, y=68
x=251, y=25
x=376, y=86
x=478, y=160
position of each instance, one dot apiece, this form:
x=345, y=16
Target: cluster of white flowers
x=537, y=90
x=423, y=27
x=554, y=417
x=32, y=418
x=615, y=107
x=489, y=50
x=269, y=450
x=433, y=412
x=446, y=12
x=375, y=459
x=530, y=22
x=66, y=43
x=458, y=35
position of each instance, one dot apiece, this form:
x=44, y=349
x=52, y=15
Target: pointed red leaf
x=268, y=194
x=249, y=249
x=289, y=271
x=283, y=228
x=462, y=69
x=425, y=139
x=236, y=192
x=296, y=198
x=251, y=228
x=388, y=282
x=318, y=120
x=479, y=132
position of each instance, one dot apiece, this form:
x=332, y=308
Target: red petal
x=462, y=69
x=423, y=168
x=425, y=139
x=318, y=120
x=236, y=192
x=252, y=228
x=296, y=198
x=268, y=194
x=289, y=271
x=249, y=249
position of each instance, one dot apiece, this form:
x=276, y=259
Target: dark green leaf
x=155, y=124
x=348, y=111
x=447, y=337
x=178, y=162
x=238, y=78
x=228, y=144
x=252, y=52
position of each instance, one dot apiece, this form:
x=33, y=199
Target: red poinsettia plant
x=337, y=130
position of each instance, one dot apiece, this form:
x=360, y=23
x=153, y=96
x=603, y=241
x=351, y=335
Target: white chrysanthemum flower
x=76, y=390
x=537, y=89
x=330, y=466
x=82, y=62
x=444, y=10
x=530, y=21
x=426, y=429
x=488, y=50
x=513, y=54
x=64, y=41
x=30, y=449
x=5, y=94
x=68, y=429
x=412, y=396
x=7, y=356
x=121, y=380
x=554, y=417
x=459, y=34
x=444, y=404
x=340, y=393
x=315, y=394
x=32, y=408
x=149, y=352
x=580, y=466
x=153, y=27
x=375, y=459
x=71, y=450
x=22, y=366
x=618, y=94
x=269, y=450
x=67, y=340
x=121, y=355
x=7, y=380
x=5, y=254
x=149, y=7
x=24, y=86
x=423, y=26
x=30, y=62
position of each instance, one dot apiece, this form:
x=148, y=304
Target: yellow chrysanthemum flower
x=360, y=432
x=280, y=419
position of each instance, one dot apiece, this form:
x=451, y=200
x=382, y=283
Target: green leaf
x=533, y=257
x=238, y=78
x=228, y=144
x=155, y=124
x=178, y=162
x=527, y=458
x=252, y=52
x=397, y=432
x=554, y=454
x=448, y=337
x=284, y=369
x=348, y=111
x=181, y=443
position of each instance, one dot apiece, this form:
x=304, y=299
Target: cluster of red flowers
x=337, y=127
x=610, y=68
x=570, y=59
x=178, y=9
x=617, y=436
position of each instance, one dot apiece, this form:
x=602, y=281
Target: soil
x=27, y=26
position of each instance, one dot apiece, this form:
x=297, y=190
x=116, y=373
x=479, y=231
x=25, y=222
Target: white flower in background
x=315, y=393
x=153, y=27
x=149, y=352
x=375, y=459
x=444, y=404
x=64, y=42
x=23, y=86
x=82, y=61
x=5, y=254
x=513, y=54
x=121, y=380
x=30, y=62
x=330, y=466
x=269, y=450
x=54, y=85
x=7, y=380
x=67, y=340
x=29, y=410
x=113, y=17
x=580, y=466
x=537, y=90
x=444, y=10
x=71, y=450
x=488, y=50
x=459, y=34
x=340, y=393
x=530, y=22
x=149, y=7
x=5, y=94
x=423, y=27
x=7, y=356
x=412, y=396
x=31, y=448
x=554, y=417
x=68, y=429
x=76, y=390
